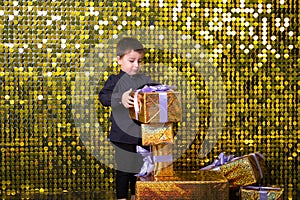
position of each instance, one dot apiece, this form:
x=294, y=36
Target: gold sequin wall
x=236, y=63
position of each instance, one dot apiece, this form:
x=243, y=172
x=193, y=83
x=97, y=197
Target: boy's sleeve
x=106, y=92
x=109, y=97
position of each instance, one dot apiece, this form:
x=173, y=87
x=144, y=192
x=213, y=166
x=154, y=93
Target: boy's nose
x=136, y=64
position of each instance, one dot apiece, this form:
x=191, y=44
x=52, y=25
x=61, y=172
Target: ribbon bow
x=148, y=166
x=221, y=160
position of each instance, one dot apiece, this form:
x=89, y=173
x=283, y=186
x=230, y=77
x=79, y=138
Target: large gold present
x=157, y=133
x=156, y=107
x=163, y=160
x=261, y=193
x=200, y=185
x=242, y=171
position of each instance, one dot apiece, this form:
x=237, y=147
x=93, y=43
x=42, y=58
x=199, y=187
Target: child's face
x=131, y=62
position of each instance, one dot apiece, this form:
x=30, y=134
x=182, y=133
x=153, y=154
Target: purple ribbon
x=166, y=158
x=163, y=107
x=257, y=162
x=263, y=195
x=156, y=88
x=260, y=188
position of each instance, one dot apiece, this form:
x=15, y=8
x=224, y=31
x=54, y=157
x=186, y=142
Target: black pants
x=128, y=163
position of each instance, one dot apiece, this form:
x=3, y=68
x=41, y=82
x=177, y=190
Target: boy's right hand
x=127, y=100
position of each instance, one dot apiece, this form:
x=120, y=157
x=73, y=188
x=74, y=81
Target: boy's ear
x=118, y=59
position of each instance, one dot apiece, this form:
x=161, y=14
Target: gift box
x=240, y=171
x=156, y=106
x=157, y=133
x=185, y=185
x=261, y=193
x=158, y=162
x=163, y=160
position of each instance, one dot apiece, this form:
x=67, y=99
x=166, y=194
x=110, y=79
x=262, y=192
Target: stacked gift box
x=158, y=108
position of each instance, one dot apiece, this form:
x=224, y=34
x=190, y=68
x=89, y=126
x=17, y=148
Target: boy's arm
x=106, y=92
x=109, y=97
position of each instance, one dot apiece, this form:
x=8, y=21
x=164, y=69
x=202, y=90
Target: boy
x=125, y=132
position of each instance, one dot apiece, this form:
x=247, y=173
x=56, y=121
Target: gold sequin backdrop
x=236, y=63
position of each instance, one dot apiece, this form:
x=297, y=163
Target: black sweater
x=123, y=129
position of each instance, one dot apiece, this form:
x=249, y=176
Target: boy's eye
x=132, y=61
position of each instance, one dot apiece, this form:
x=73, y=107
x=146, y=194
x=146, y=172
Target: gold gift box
x=260, y=193
x=157, y=133
x=243, y=171
x=163, y=160
x=185, y=185
x=152, y=110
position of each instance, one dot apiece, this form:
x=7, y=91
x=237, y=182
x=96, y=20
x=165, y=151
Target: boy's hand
x=127, y=100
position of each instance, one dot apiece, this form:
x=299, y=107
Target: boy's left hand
x=127, y=100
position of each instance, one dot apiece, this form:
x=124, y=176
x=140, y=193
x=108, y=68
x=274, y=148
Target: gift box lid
x=195, y=176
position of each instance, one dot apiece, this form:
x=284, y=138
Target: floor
x=64, y=196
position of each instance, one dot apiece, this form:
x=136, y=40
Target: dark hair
x=128, y=44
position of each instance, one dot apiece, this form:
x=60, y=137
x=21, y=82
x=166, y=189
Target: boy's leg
x=133, y=179
x=126, y=165
x=122, y=184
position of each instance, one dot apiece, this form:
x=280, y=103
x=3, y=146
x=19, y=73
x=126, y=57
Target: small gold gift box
x=157, y=133
x=200, y=185
x=157, y=107
x=243, y=171
x=261, y=193
x=163, y=160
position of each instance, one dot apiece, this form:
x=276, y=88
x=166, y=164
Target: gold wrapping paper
x=261, y=193
x=163, y=160
x=150, y=107
x=242, y=171
x=198, y=185
x=157, y=133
